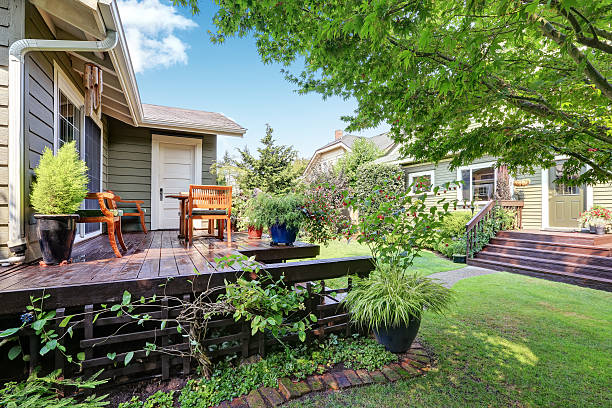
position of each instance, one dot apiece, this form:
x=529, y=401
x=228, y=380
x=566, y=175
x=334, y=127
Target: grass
x=511, y=340
x=427, y=263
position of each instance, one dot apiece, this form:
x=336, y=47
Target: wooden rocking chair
x=109, y=214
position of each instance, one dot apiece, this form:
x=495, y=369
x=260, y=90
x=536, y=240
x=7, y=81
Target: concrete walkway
x=449, y=278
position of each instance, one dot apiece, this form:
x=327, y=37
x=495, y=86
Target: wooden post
x=33, y=352
x=165, y=359
x=246, y=335
x=88, y=330
x=61, y=331
x=187, y=357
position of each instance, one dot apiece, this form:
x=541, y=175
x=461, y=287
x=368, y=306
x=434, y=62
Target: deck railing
x=477, y=226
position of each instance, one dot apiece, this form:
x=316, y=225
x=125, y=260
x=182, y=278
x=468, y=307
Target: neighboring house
x=137, y=150
x=327, y=156
x=546, y=204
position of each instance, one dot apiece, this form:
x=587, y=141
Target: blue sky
x=230, y=78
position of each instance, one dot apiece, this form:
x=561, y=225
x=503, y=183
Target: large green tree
x=525, y=80
x=363, y=151
x=273, y=170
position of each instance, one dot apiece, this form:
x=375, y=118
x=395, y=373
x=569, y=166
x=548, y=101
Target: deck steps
x=577, y=258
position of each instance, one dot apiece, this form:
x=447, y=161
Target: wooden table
x=182, y=197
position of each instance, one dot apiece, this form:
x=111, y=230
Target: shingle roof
x=190, y=119
x=382, y=141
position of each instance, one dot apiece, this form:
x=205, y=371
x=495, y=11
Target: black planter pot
x=56, y=235
x=280, y=234
x=398, y=339
x=459, y=258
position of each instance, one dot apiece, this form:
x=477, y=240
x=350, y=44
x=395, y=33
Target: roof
x=382, y=141
x=92, y=20
x=189, y=118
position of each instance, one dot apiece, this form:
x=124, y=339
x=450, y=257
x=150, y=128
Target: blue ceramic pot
x=398, y=339
x=282, y=235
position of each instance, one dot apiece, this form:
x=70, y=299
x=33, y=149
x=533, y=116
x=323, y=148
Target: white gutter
x=17, y=242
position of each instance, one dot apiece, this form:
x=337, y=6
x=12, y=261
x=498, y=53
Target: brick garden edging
x=414, y=363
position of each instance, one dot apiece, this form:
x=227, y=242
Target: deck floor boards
x=158, y=254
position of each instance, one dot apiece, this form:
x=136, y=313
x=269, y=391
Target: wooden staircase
x=571, y=257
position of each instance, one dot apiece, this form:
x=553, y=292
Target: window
x=69, y=122
x=478, y=183
x=421, y=182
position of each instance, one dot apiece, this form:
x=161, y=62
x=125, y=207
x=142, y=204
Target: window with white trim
x=478, y=183
x=69, y=122
x=421, y=182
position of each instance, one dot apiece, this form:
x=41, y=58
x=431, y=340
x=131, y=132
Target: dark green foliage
x=280, y=209
x=453, y=225
x=158, y=400
x=533, y=74
x=363, y=151
x=387, y=179
x=43, y=392
x=272, y=171
x=229, y=380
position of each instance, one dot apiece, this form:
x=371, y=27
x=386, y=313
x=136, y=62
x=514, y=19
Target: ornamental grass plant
x=393, y=296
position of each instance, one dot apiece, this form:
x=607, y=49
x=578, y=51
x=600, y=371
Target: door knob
x=161, y=194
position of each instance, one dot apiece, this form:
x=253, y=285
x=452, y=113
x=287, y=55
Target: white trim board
x=155, y=163
x=431, y=173
x=545, y=191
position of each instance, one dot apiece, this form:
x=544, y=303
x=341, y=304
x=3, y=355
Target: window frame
x=62, y=83
x=412, y=176
x=471, y=168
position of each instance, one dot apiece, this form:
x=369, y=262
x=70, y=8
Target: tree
x=363, y=151
x=272, y=171
x=522, y=80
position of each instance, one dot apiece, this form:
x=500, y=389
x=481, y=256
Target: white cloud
x=150, y=27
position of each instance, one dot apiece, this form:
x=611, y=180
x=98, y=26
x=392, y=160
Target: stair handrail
x=476, y=222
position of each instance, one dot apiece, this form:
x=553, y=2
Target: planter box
x=459, y=258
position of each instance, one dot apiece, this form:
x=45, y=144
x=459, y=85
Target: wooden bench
x=109, y=214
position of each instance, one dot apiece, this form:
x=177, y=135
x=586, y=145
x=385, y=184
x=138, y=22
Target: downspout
x=17, y=242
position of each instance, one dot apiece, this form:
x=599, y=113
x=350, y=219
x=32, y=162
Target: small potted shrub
x=283, y=215
x=57, y=192
x=252, y=215
x=391, y=301
x=597, y=218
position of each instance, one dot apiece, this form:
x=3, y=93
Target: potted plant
x=597, y=218
x=391, y=301
x=57, y=193
x=283, y=215
x=252, y=216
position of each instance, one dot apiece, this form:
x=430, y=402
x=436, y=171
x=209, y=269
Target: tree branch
x=590, y=71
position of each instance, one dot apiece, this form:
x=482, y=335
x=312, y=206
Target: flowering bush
x=390, y=180
x=596, y=216
x=325, y=215
x=397, y=227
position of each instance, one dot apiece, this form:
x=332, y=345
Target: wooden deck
x=154, y=260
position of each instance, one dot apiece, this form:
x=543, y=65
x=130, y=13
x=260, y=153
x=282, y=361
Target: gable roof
x=93, y=19
x=189, y=118
x=382, y=141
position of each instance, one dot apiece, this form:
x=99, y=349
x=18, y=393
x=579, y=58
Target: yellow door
x=565, y=202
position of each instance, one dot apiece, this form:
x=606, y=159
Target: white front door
x=177, y=163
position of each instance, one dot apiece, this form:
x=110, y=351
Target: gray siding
x=129, y=164
x=39, y=103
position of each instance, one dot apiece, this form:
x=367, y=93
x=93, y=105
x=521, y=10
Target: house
x=547, y=205
x=549, y=244
x=139, y=151
x=328, y=155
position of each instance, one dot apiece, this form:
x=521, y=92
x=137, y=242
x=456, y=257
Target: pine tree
x=272, y=170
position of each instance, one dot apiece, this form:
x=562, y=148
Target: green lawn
x=427, y=263
x=511, y=340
